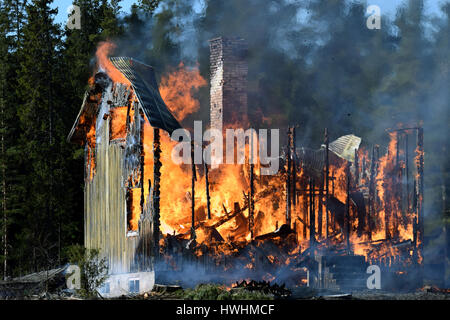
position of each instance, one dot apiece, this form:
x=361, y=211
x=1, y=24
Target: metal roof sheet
x=142, y=78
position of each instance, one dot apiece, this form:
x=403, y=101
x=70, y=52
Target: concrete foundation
x=128, y=284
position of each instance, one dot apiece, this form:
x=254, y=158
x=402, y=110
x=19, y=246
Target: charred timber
x=419, y=190
x=404, y=129
x=371, y=205
x=327, y=183
x=347, y=208
x=251, y=201
x=319, y=211
x=208, y=199
x=141, y=146
x=302, y=221
x=312, y=218
x=156, y=189
x=282, y=232
x=288, y=179
x=251, y=196
x=356, y=168
x=193, y=235
x=230, y=215
x=408, y=205
x=294, y=171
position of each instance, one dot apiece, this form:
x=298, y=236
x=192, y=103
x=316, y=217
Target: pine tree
x=4, y=22
x=149, y=6
x=11, y=19
x=110, y=23
x=39, y=89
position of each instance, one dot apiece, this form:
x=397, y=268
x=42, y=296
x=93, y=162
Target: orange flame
x=104, y=49
x=176, y=91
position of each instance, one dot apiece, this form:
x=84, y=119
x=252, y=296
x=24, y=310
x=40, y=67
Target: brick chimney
x=228, y=93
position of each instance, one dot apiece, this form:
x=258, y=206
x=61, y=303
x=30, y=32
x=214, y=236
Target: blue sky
x=387, y=6
x=62, y=6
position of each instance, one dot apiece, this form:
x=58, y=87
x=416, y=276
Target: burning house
x=110, y=124
x=320, y=221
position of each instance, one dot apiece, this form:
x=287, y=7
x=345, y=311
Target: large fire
x=229, y=187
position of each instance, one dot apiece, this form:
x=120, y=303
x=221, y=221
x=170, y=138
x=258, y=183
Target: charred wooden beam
x=236, y=207
x=251, y=195
x=397, y=148
x=403, y=129
x=312, y=218
x=303, y=221
x=332, y=183
x=283, y=232
x=208, y=199
x=194, y=177
x=225, y=210
x=408, y=205
x=156, y=189
x=387, y=216
x=356, y=168
x=319, y=211
x=363, y=168
x=230, y=216
x=129, y=202
x=327, y=183
x=305, y=210
x=445, y=219
x=288, y=179
x=127, y=123
x=419, y=190
x=371, y=202
x=141, y=147
x=347, y=208
x=251, y=207
x=294, y=171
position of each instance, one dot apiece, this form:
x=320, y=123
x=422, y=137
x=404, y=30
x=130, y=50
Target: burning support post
x=193, y=235
x=208, y=199
x=288, y=179
x=156, y=189
x=294, y=171
x=319, y=211
x=372, y=185
x=397, y=148
x=251, y=194
x=327, y=182
x=347, y=208
x=419, y=192
x=312, y=218
x=408, y=205
x=251, y=206
x=141, y=146
x=356, y=168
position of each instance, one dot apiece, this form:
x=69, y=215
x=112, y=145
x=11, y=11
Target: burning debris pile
x=232, y=222
x=367, y=210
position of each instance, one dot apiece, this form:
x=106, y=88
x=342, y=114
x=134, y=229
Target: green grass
x=218, y=292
